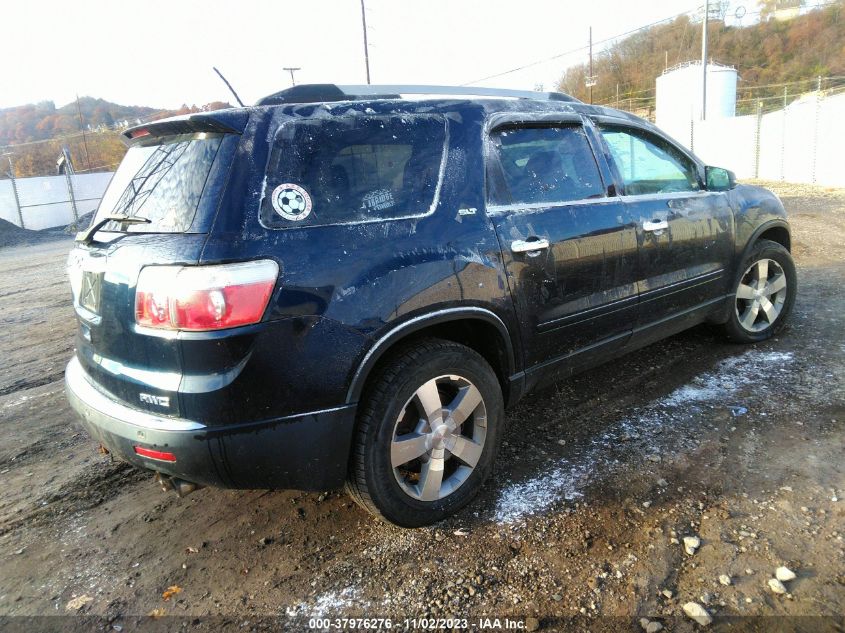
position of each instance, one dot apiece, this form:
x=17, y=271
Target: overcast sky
x=160, y=54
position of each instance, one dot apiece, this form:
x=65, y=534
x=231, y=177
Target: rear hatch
x=168, y=188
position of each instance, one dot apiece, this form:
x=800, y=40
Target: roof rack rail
x=315, y=93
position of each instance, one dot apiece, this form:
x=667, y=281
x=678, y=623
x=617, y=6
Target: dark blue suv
x=348, y=285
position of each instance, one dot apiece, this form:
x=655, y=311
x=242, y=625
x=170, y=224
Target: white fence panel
x=91, y=186
x=830, y=166
x=727, y=142
x=45, y=200
x=8, y=210
x=802, y=143
x=799, y=143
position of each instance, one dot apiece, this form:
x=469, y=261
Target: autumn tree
x=769, y=52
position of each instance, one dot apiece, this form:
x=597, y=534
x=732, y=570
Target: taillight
x=204, y=297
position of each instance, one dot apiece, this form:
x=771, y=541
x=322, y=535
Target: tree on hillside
x=771, y=52
x=42, y=129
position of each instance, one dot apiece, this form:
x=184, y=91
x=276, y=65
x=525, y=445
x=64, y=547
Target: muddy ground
x=599, y=481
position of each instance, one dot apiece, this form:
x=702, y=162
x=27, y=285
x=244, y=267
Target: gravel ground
x=602, y=483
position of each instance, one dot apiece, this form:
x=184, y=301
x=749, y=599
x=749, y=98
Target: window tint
x=649, y=165
x=161, y=181
x=353, y=169
x=549, y=164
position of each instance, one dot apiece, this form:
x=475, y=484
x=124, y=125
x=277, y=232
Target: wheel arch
x=478, y=328
x=774, y=230
x=777, y=232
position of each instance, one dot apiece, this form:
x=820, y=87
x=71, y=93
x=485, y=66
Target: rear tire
x=427, y=433
x=763, y=293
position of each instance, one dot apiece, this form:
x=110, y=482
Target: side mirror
x=719, y=179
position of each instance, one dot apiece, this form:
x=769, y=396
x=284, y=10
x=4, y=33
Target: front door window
x=647, y=165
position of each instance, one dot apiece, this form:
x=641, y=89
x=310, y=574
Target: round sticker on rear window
x=291, y=202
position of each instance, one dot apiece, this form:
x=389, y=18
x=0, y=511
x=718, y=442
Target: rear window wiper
x=88, y=236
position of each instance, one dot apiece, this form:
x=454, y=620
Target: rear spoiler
x=219, y=122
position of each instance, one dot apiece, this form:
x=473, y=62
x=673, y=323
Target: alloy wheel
x=438, y=438
x=761, y=295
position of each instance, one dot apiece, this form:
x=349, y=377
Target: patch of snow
x=731, y=375
x=332, y=602
x=26, y=398
x=521, y=499
x=14, y=403
x=664, y=424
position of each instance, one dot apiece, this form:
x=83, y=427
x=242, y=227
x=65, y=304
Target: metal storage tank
x=679, y=96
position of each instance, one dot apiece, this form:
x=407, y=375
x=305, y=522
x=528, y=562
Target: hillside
x=765, y=53
x=35, y=122
x=35, y=133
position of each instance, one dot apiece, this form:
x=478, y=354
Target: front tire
x=427, y=433
x=763, y=293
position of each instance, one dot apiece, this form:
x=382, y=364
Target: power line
x=614, y=37
x=796, y=82
x=792, y=83
x=574, y=50
x=142, y=119
x=649, y=101
x=56, y=139
x=95, y=167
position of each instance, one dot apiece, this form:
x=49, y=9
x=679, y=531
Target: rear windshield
x=353, y=169
x=161, y=180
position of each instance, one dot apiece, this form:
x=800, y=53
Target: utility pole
x=291, y=71
x=11, y=175
x=366, y=47
x=704, y=60
x=591, y=79
x=84, y=138
x=783, y=134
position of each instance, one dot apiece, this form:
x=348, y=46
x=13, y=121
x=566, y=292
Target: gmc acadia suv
x=343, y=284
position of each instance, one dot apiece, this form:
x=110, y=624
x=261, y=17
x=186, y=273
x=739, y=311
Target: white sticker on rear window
x=378, y=200
x=291, y=202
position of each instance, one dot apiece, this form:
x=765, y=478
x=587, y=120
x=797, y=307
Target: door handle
x=528, y=246
x=656, y=225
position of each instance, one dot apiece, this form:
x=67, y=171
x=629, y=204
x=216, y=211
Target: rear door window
x=545, y=165
x=161, y=180
x=353, y=169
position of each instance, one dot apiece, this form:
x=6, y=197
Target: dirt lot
x=598, y=483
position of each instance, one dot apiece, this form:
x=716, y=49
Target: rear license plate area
x=90, y=290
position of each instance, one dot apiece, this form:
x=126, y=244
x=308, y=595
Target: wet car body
x=273, y=404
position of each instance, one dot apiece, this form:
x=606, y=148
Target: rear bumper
x=305, y=452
